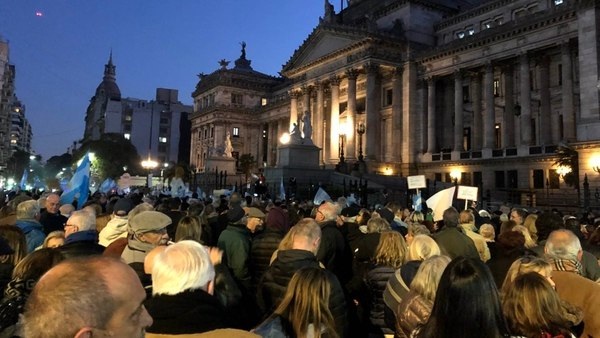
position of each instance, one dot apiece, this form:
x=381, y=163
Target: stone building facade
x=483, y=93
x=158, y=128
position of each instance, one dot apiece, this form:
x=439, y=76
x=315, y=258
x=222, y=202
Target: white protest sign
x=416, y=182
x=467, y=193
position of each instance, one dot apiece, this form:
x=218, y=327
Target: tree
x=569, y=158
x=17, y=163
x=55, y=164
x=113, y=153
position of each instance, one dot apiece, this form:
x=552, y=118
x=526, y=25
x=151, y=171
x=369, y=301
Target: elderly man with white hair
x=563, y=251
x=81, y=237
x=182, y=291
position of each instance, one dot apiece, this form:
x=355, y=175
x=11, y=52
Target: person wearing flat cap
x=146, y=230
x=235, y=241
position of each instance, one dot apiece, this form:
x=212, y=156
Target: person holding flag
x=79, y=185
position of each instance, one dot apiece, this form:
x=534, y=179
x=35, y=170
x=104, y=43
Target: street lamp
x=595, y=163
x=455, y=175
x=149, y=165
x=360, y=130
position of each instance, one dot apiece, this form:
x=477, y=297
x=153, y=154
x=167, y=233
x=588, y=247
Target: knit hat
x=147, y=221
x=235, y=214
x=123, y=207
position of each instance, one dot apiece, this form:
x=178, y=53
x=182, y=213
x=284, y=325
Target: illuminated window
x=470, y=30
x=162, y=139
x=558, y=2
x=263, y=101
x=128, y=117
x=460, y=34
x=496, y=87
x=127, y=136
x=236, y=132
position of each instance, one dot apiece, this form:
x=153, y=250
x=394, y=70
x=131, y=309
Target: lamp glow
x=285, y=138
x=455, y=175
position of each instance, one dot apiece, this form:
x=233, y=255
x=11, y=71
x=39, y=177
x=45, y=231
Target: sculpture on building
x=243, y=56
x=306, y=128
x=228, y=149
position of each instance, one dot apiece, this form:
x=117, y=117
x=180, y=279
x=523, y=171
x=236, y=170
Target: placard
x=416, y=182
x=467, y=193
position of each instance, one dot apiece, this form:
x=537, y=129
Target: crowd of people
x=141, y=266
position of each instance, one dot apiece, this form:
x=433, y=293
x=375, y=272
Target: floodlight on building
x=285, y=138
x=455, y=175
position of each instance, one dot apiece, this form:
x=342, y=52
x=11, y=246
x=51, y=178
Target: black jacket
x=187, y=312
x=333, y=252
x=263, y=246
x=376, y=281
x=276, y=279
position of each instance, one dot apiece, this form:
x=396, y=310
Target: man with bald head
x=50, y=216
x=87, y=297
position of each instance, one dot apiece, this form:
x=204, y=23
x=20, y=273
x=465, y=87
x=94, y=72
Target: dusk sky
x=59, y=48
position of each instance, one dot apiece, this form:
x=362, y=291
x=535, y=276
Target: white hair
x=182, y=266
x=562, y=244
x=28, y=209
x=84, y=220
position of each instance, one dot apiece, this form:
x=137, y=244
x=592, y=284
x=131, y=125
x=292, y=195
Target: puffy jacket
x=263, y=246
x=277, y=277
x=376, y=281
x=413, y=311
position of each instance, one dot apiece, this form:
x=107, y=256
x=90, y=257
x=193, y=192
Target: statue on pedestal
x=306, y=128
x=228, y=149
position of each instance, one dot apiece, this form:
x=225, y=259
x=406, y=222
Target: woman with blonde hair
x=398, y=285
x=54, y=239
x=529, y=223
x=189, y=228
x=533, y=309
x=527, y=264
x=389, y=256
x=414, y=310
x=304, y=310
x=529, y=242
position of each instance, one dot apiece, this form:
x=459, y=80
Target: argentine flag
x=79, y=184
x=23, y=183
x=417, y=201
x=281, y=190
x=321, y=196
x=107, y=185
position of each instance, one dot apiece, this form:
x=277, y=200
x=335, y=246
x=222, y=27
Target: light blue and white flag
x=107, y=185
x=321, y=196
x=417, y=201
x=38, y=184
x=79, y=184
x=281, y=190
x=23, y=182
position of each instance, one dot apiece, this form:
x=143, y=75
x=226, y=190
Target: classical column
x=488, y=112
x=318, y=118
x=293, y=109
x=548, y=132
x=458, y=111
x=508, y=120
x=350, y=152
x=372, y=110
x=567, y=94
x=306, y=90
x=477, y=128
x=525, y=100
x=397, y=134
x=334, y=120
x=431, y=130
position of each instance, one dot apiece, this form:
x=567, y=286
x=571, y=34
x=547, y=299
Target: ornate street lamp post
x=360, y=130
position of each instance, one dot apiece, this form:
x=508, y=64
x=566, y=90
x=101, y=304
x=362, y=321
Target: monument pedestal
x=220, y=163
x=299, y=156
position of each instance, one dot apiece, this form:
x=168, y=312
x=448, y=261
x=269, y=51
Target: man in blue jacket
x=28, y=216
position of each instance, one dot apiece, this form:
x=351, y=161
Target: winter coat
x=333, y=252
x=582, y=293
x=34, y=233
x=81, y=244
x=413, y=311
x=191, y=311
x=52, y=222
x=376, y=281
x=235, y=241
x=115, y=228
x=397, y=289
x=277, y=277
x=478, y=240
x=454, y=243
x=263, y=246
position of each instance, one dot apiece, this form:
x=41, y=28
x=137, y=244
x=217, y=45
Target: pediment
x=320, y=43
